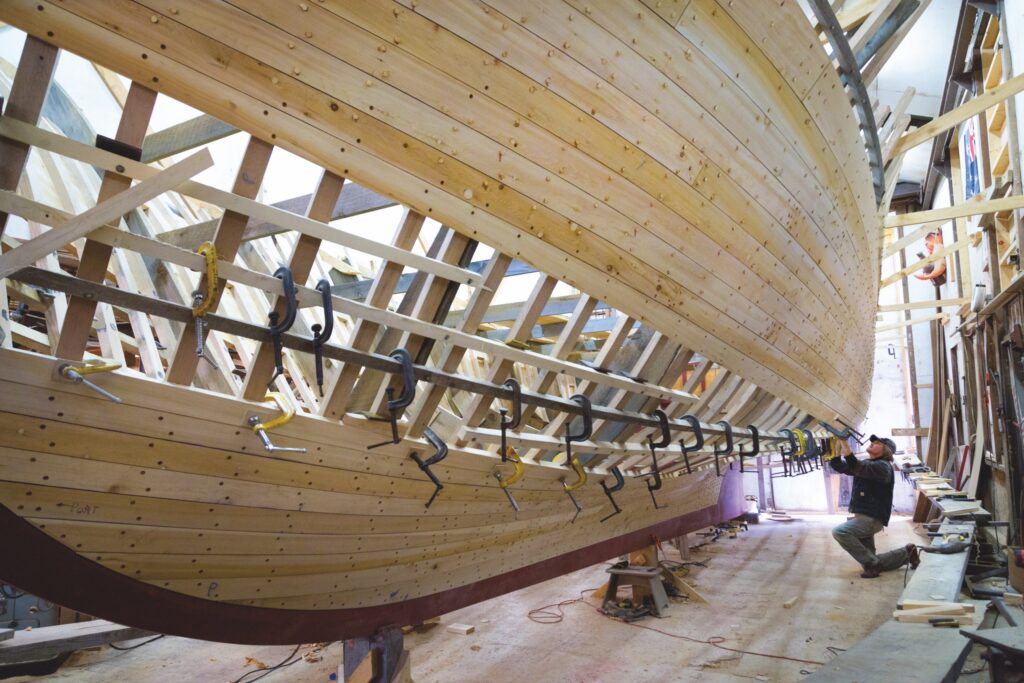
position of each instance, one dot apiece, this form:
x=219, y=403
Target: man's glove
x=837, y=464
x=851, y=462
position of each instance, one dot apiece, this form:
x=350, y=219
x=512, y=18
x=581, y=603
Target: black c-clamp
x=609, y=490
x=787, y=465
x=698, y=443
x=279, y=325
x=322, y=333
x=440, y=451
x=728, y=446
x=408, y=394
x=654, y=483
x=517, y=413
x=755, y=447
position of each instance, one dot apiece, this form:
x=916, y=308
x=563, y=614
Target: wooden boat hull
x=222, y=542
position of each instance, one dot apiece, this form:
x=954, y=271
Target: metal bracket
x=322, y=333
x=728, y=446
x=755, y=448
x=279, y=325
x=654, y=483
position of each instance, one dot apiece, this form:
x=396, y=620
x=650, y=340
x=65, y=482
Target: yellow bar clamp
x=261, y=428
x=581, y=473
x=520, y=469
x=92, y=367
x=202, y=305
x=801, y=442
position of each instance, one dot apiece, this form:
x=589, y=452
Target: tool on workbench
x=403, y=401
x=202, y=300
x=571, y=460
x=654, y=483
x=440, y=452
x=609, y=490
x=77, y=373
x=281, y=324
x=322, y=333
x=698, y=442
x=517, y=413
x=261, y=428
x=517, y=474
x=727, y=449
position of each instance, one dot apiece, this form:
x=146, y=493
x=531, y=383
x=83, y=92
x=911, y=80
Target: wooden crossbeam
x=226, y=241
x=301, y=264
x=25, y=102
x=104, y=212
x=181, y=137
x=939, y=254
x=233, y=202
x=76, y=327
x=339, y=387
x=938, y=303
x=427, y=399
x=972, y=107
x=912, y=321
x=308, y=296
x=910, y=238
x=971, y=208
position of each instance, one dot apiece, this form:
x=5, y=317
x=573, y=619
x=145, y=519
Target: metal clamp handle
x=403, y=401
x=77, y=375
x=322, y=333
x=261, y=428
x=517, y=413
x=698, y=443
x=440, y=452
x=609, y=490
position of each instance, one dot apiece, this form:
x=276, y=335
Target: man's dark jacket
x=873, y=482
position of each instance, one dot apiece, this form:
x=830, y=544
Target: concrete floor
x=747, y=581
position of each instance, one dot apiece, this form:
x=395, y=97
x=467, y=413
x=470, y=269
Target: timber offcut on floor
x=748, y=581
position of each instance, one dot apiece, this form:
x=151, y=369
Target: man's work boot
x=872, y=571
x=913, y=555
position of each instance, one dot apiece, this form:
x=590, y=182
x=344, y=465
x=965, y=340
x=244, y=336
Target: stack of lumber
x=928, y=611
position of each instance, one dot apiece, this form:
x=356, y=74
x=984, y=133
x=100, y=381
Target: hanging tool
x=279, y=325
x=857, y=436
x=727, y=450
x=517, y=413
x=787, y=465
x=408, y=394
x=801, y=455
x=440, y=452
x=202, y=301
x=573, y=461
x=91, y=367
x=517, y=474
x=698, y=443
x=813, y=449
x=609, y=490
x=654, y=483
x=261, y=428
x=322, y=333
x=755, y=447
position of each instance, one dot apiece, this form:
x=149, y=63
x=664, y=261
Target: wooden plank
x=301, y=264
x=939, y=577
x=911, y=321
x=49, y=641
x=971, y=208
x=137, y=108
x=104, y=212
x=234, y=202
x=181, y=137
x=972, y=107
x=25, y=102
x=910, y=431
x=939, y=254
x=937, y=303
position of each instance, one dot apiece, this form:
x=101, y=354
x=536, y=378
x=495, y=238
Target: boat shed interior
x=381, y=341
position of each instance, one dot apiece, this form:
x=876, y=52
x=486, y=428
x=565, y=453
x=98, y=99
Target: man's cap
x=888, y=442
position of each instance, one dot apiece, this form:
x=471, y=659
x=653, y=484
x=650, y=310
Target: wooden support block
x=49, y=641
x=962, y=619
x=792, y=601
x=967, y=607
x=462, y=629
x=6, y=633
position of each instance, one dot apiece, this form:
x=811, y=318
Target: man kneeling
x=871, y=505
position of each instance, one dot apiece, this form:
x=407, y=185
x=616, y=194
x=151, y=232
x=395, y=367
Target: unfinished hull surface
x=164, y=513
x=695, y=164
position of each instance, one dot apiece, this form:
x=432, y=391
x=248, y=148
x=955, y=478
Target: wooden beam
x=104, y=212
x=912, y=321
x=938, y=303
x=972, y=107
x=939, y=254
x=909, y=239
x=235, y=203
x=28, y=92
x=226, y=240
x=301, y=264
x=971, y=208
x=202, y=130
x=95, y=258
x=49, y=641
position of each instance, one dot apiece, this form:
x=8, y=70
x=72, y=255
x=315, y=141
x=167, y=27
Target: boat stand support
x=381, y=658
